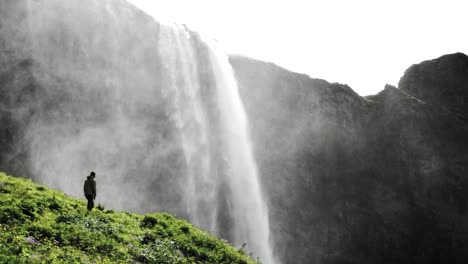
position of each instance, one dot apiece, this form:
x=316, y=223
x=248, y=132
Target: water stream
x=218, y=152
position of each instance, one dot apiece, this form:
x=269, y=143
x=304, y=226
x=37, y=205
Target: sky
x=362, y=43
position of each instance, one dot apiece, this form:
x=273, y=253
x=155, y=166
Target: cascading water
x=153, y=109
x=215, y=154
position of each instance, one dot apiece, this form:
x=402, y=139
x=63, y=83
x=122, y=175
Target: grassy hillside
x=40, y=225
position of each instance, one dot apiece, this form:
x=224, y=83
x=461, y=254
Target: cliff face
x=380, y=179
x=443, y=82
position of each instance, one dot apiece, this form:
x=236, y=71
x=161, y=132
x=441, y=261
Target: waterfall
x=154, y=110
x=217, y=149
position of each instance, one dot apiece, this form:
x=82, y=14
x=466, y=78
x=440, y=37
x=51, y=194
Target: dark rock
x=442, y=81
x=380, y=179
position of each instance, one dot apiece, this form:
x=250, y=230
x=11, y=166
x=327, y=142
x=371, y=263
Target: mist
x=300, y=169
x=153, y=109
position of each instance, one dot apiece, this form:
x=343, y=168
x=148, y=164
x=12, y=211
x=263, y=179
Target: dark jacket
x=90, y=187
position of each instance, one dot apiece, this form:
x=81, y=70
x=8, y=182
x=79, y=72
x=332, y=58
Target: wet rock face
x=380, y=179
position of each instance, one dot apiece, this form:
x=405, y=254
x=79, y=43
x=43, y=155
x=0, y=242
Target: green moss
x=40, y=225
x=371, y=99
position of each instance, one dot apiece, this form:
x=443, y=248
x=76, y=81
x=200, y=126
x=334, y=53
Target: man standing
x=90, y=190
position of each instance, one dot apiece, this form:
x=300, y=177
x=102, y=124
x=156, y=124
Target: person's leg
x=90, y=202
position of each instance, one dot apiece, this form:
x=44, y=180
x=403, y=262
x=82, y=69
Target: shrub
x=148, y=222
x=40, y=232
x=11, y=215
x=185, y=229
x=28, y=208
x=53, y=204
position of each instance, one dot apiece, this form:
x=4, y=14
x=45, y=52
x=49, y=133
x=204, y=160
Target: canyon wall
x=379, y=179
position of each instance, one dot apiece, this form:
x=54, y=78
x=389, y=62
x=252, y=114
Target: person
x=90, y=190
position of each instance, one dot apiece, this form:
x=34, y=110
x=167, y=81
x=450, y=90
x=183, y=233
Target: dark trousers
x=90, y=202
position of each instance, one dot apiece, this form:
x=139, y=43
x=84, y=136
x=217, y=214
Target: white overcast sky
x=362, y=43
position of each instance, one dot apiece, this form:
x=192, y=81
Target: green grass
x=40, y=225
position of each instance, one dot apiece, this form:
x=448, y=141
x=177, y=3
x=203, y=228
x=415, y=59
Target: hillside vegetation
x=40, y=225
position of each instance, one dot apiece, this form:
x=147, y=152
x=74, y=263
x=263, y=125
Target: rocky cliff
x=381, y=179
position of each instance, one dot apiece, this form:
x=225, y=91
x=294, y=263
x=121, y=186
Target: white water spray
x=232, y=161
x=154, y=110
